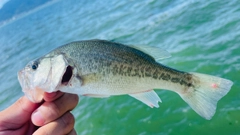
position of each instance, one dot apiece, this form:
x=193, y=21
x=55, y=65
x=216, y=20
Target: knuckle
x=71, y=101
x=72, y=132
x=68, y=120
x=75, y=100
x=53, y=110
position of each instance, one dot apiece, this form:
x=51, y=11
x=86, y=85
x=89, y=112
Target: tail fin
x=205, y=93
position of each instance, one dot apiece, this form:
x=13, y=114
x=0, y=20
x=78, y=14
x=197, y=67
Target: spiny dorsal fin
x=156, y=52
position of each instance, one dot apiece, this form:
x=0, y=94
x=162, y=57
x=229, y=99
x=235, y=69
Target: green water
x=202, y=36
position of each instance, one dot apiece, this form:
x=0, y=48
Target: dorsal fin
x=155, y=52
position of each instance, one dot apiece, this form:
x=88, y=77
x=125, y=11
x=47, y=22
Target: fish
x=102, y=68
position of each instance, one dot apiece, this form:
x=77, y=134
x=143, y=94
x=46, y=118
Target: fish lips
x=34, y=94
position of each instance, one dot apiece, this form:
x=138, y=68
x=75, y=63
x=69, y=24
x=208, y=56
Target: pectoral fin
x=149, y=98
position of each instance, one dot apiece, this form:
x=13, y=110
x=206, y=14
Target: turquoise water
x=202, y=36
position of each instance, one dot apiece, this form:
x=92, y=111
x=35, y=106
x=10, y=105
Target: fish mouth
x=35, y=95
x=67, y=76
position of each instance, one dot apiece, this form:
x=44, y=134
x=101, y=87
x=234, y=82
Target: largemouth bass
x=100, y=68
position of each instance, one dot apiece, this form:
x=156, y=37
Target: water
x=202, y=36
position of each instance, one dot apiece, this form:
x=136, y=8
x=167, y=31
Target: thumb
x=18, y=113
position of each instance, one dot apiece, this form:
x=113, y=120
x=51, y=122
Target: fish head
x=42, y=75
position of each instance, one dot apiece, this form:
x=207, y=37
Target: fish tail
x=205, y=92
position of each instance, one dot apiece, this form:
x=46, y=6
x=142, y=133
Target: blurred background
x=202, y=36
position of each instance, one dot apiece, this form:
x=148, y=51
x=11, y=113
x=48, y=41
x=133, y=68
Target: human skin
x=52, y=116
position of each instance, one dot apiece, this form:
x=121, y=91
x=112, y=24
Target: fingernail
x=37, y=118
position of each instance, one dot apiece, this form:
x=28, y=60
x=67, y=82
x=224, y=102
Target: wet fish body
x=118, y=68
x=100, y=68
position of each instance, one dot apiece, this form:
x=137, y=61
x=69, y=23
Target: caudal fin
x=205, y=93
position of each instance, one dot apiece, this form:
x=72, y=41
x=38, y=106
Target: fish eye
x=35, y=66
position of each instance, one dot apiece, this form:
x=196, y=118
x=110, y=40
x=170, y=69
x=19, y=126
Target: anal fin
x=149, y=98
x=96, y=96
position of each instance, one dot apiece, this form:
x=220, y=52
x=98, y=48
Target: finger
x=50, y=111
x=73, y=132
x=61, y=126
x=52, y=96
x=18, y=113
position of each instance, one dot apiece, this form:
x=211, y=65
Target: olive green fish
x=100, y=68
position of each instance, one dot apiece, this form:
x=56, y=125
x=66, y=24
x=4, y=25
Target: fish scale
x=128, y=57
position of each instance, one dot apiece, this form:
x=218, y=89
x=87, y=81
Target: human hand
x=50, y=117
